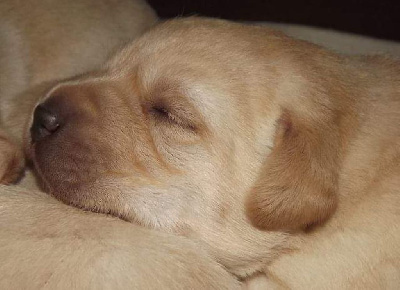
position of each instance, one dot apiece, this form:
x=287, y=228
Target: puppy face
x=175, y=132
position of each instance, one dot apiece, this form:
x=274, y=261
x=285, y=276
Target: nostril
x=46, y=119
x=44, y=123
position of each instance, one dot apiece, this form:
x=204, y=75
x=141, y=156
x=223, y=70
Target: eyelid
x=159, y=111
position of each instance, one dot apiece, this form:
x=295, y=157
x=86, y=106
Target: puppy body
x=225, y=129
x=83, y=250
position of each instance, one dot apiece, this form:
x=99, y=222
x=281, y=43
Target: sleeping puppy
x=214, y=130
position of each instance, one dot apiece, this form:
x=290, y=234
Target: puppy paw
x=11, y=161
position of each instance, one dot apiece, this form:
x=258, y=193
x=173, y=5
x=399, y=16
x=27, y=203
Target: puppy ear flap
x=297, y=185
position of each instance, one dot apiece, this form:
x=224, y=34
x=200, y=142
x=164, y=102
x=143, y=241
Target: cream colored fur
x=51, y=40
x=226, y=131
x=43, y=243
x=271, y=153
x=339, y=41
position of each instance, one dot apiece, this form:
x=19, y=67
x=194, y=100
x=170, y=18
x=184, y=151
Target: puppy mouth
x=97, y=194
x=69, y=182
x=64, y=164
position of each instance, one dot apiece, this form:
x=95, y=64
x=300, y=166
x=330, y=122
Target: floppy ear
x=297, y=184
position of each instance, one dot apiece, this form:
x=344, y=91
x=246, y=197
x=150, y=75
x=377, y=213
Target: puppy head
x=184, y=126
x=109, y=142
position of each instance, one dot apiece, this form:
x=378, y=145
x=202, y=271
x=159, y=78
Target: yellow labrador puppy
x=43, y=243
x=251, y=143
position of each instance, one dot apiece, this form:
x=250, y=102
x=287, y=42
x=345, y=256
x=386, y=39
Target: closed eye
x=164, y=113
x=161, y=113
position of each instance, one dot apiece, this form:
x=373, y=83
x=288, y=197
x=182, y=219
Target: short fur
x=51, y=40
x=222, y=127
x=43, y=243
x=206, y=129
x=91, y=251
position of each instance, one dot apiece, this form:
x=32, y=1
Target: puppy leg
x=11, y=159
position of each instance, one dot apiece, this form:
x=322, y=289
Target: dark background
x=379, y=18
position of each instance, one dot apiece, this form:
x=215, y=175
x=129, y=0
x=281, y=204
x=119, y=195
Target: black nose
x=44, y=124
